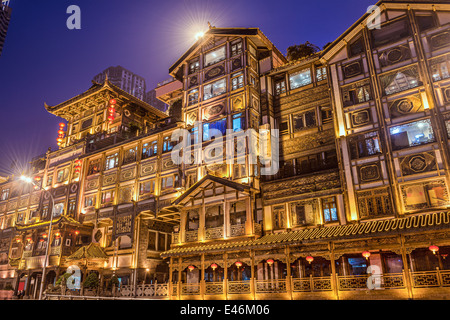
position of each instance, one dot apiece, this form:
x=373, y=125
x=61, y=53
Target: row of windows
x=299, y=79
x=307, y=119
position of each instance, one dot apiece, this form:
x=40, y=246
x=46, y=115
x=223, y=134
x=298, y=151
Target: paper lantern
x=309, y=259
x=366, y=254
x=77, y=232
x=191, y=268
x=112, y=101
x=214, y=266
x=269, y=261
x=238, y=264
x=433, y=249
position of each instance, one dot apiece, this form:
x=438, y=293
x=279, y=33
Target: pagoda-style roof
x=91, y=251
x=61, y=219
x=204, y=182
x=256, y=34
x=65, y=111
x=370, y=229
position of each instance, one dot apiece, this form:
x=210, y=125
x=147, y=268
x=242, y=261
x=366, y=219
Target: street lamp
x=29, y=180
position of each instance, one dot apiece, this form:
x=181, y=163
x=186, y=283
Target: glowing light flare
x=199, y=35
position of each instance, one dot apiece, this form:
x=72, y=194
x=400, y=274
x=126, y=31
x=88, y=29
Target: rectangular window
x=151, y=240
x=169, y=182
x=425, y=22
x=5, y=194
x=62, y=175
x=390, y=32
x=112, y=161
x=45, y=212
x=58, y=209
x=108, y=196
x=280, y=87
x=50, y=180
x=89, y=201
x=398, y=81
x=149, y=149
x=236, y=48
x=194, y=66
x=302, y=213
x=130, y=155
x=214, y=217
x=364, y=145
x=161, y=241
x=237, y=80
x=440, y=68
x=284, y=126
x=71, y=208
x=356, y=47
x=214, y=89
x=321, y=73
x=327, y=115
x=238, y=122
x=238, y=213
x=192, y=97
x=215, y=56
x=374, y=203
x=168, y=144
x=94, y=167
x=425, y=195
x=411, y=134
x=300, y=78
x=329, y=209
x=356, y=93
x=304, y=120
x=279, y=217
x=147, y=187
x=86, y=123
x=209, y=129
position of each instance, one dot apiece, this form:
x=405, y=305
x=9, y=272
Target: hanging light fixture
x=433, y=249
x=18, y=240
x=214, y=266
x=366, y=254
x=269, y=261
x=191, y=268
x=57, y=234
x=309, y=259
x=59, y=140
x=77, y=166
x=111, y=110
x=238, y=264
x=77, y=232
x=444, y=255
x=44, y=236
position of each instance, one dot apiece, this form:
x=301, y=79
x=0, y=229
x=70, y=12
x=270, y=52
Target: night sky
x=44, y=61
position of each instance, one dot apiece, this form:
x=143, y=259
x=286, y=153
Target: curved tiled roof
x=91, y=251
x=436, y=220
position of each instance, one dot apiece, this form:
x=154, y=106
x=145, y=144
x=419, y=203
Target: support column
x=334, y=284
x=202, y=276
x=252, y=275
x=406, y=272
x=225, y=275
x=288, y=272
x=170, y=278
x=179, y=278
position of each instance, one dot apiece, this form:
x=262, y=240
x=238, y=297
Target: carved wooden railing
x=238, y=287
x=311, y=284
x=360, y=282
x=145, y=290
x=428, y=279
x=190, y=288
x=214, y=287
x=270, y=286
x=237, y=230
x=214, y=233
x=191, y=236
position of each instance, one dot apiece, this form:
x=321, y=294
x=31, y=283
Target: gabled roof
x=204, y=182
x=379, y=228
x=60, y=219
x=91, y=251
x=97, y=87
x=213, y=31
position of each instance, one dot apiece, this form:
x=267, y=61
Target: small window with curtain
x=149, y=149
x=329, y=209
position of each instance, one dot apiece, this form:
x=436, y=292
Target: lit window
x=356, y=93
x=149, y=149
x=238, y=122
x=321, y=73
x=108, y=196
x=236, y=48
x=94, y=167
x=194, y=66
x=168, y=144
x=329, y=209
x=237, y=80
x=62, y=175
x=279, y=217
x=50, y=179
x=220, y=125
x=71, y=208
x=411, y=134
x=130, y=155
x=58, y=209
x=440, y=68
x=400, y=80
x=215, y=56
x=169, y=182
x=89, y=201
x=280, y=87
x=364, y=145
x=5, y=194
x=147, y=187
x=193, y=97
x=302, y=213
x=112, y=161
x=300, y=78
x=214, y=89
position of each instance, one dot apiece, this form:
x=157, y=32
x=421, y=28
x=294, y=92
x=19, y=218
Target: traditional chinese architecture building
x=356, y=203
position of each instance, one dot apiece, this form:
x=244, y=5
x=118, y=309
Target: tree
x=91, y=281
x=301, y=50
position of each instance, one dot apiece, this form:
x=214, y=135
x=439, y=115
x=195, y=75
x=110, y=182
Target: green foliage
x=91, y=281
x=301, y=51
x=63, y=279
x=114, y=280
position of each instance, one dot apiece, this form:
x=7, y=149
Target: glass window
x=58, y=209
x=62, y=175
x=304, y=120
x=425, y=22
x=168, y=144
x=364, y=145
x=89, y=201
x=112, y=161
x=94, y=167
x=279, y=217
x=400, y=80
x=108, y=196
x=329, y=209
x=149, y=149
x=220, y=125
x=50, y=179
x=5, y=194
x=300, y=78
x=321, y=73
x=280, y=87
x=237, y=80
x=147, y=187
x=357, y=93
x=215, y=56
x=45, y=211
x=302, y=213
x=214, y=89
x=169, y=182
x=238, y=122
x=130, y=155
x=411, y=134
x=194, y=66
x=440, y=68
x=192, y=97
x=236, y=48
x=356, y=47
x=391, y=32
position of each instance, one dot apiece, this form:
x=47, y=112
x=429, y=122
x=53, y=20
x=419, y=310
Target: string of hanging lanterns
x=60, y=138
x=77, y=166
x=111, y=110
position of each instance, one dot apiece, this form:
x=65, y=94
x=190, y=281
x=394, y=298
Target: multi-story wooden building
x=359, y=203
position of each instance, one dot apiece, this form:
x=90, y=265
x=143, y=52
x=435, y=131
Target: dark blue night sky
x=43, y=61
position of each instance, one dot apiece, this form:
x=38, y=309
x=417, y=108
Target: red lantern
x=57, y=234
x=59, y=140
x=44, y=236
x=366, y=254
x=214, y=266
x=37, y=178
x=309, y=259
x=444, y=255
x=29, y=239
x=18, y=240
x=433, y=249
x=191, y=268
x=269, y=261
x=62, y=125
x=112, y=101
x=238, y=264
x=77, y=232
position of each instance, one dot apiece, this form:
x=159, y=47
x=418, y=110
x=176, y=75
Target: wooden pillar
x=179, y=278
x=225, y=275
x=28, y=284
x=252, y=275
x=334, y=279
x=288, y=272
x=406, y=272
x=170, y=277
x=202, y=276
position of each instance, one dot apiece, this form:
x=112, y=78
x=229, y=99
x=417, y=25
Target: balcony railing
x=237, y=230
x=190, y=288
x=214, y=233
x=191, y=236
x=214, y=287
x=271, y=286
x=238, y=287
x=290, y=170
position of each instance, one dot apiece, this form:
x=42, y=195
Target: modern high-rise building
x=5, y=16
x=125, y=80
